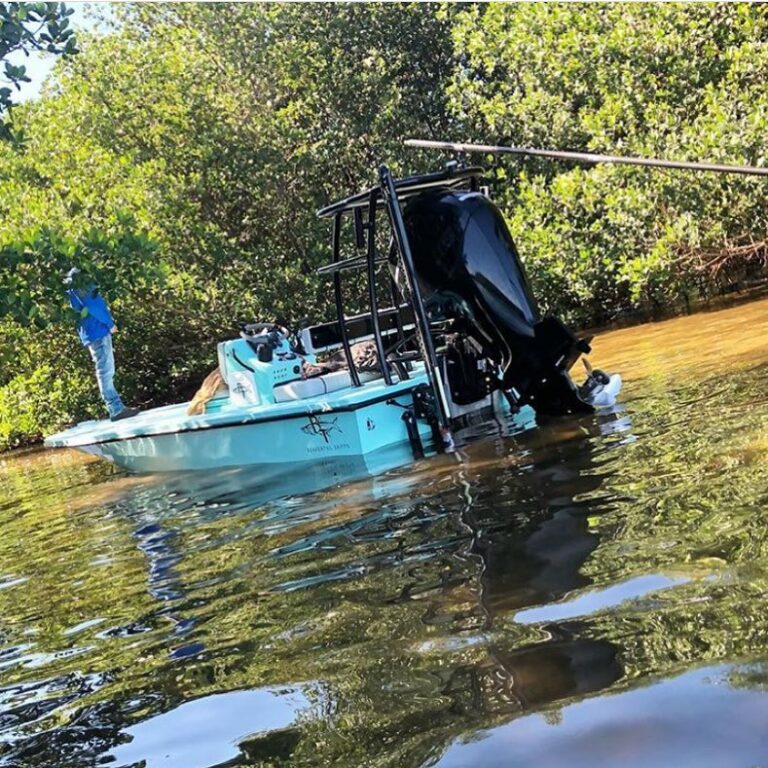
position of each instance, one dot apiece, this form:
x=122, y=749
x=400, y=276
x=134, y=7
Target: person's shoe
x=126, y=413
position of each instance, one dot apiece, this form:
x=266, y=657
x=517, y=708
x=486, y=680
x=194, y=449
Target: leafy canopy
x=29, y=27
x=681, y=81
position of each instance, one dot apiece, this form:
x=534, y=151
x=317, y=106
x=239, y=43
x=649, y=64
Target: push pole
x=587, y=157
x=422, y=321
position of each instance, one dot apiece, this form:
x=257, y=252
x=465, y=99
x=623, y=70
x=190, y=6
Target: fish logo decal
x=322, y=427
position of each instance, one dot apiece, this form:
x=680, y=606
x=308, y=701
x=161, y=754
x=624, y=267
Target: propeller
x=587, y=157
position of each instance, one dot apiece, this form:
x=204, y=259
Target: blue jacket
x=98, y=321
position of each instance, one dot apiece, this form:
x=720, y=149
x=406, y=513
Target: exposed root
x=714, y=262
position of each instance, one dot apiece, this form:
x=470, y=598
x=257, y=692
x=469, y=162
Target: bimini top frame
x=452, y=176
x=388, y=195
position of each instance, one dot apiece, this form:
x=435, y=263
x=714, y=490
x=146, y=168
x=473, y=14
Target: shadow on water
x=589, y=592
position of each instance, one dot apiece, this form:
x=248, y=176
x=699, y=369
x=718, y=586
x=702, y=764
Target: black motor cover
x=470, y=272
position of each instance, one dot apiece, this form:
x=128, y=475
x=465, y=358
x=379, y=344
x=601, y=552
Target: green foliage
x=667, y=80
x=29, y=27
x=34, y=405
x=32, y=270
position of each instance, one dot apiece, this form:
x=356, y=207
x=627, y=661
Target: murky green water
x=591, y=593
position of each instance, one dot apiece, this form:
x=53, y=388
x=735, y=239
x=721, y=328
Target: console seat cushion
x=319, y=385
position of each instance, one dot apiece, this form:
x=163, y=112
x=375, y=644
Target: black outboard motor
x=470, y=273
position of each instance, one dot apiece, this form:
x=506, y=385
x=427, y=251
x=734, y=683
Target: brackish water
x=592, y=592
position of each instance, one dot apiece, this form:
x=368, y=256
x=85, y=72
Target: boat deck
x=173, y=418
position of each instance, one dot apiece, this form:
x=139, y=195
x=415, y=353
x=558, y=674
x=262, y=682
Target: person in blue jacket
x=96, y=326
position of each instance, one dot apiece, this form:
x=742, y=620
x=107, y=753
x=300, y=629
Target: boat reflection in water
x=529, y=546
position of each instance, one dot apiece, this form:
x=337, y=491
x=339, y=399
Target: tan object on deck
x=214, y=384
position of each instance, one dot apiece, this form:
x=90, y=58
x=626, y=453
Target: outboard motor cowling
x=470, y=272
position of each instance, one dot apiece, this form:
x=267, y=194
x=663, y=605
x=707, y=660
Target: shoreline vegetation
x=180, y=157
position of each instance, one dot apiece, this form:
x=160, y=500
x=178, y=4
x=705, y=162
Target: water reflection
x=599, y=600
x=210, y=731
x=658, y=725
x=536, y=597
x=436, y=550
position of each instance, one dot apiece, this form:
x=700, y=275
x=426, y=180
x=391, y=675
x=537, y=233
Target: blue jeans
x=104, y=359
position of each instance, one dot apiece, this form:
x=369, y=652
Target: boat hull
x=346, y=424
x=297, y=439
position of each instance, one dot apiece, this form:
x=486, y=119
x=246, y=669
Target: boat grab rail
x=453, y=176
